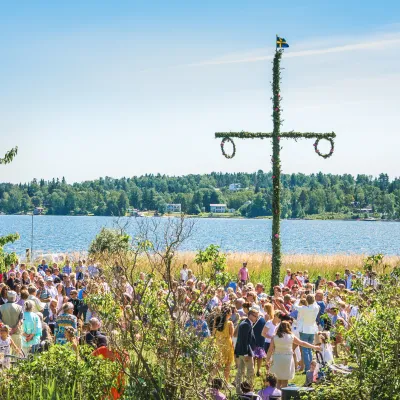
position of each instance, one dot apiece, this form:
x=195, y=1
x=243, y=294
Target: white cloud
x=365, y=44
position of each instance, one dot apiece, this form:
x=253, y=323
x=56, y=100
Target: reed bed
x=259, y=264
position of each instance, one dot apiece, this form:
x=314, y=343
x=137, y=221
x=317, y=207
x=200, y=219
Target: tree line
x=302, y=195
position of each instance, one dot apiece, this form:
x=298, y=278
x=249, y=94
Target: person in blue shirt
x=232, y=285
x=67, y=268
x=198, y=325
x=319, y=298
x=42, y=266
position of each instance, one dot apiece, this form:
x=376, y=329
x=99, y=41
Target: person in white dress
x=326, y=347
x=281, y=351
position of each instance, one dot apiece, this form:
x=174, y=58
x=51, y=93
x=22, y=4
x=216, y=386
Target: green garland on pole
x=276, y=170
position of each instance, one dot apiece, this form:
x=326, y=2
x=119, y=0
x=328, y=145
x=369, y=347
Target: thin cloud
x=374, y=44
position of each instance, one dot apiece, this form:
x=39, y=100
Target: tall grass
x=259, y=264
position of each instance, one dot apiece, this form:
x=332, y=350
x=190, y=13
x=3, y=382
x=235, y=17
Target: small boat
x=370, y=219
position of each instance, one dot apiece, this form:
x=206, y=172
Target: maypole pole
x=276, y=170
x=276, y=135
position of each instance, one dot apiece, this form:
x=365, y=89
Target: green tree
x=109, y=241
x=123, y=204
x=135, y=197
x=26, y=203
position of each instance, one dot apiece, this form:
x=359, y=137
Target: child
x=5, y=346
x=247, y=392
x=271, y=389
x=215, y=391
x=326, y=347
x=312, y=374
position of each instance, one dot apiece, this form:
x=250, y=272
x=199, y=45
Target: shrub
x=59, y=371
x=374, y=345
x=109, y=241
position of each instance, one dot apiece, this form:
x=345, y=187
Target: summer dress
x=224, y=344
x=283, y=363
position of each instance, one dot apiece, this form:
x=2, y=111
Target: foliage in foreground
x=168, y=360
x=374, y=347
x=7, y=258
x=58, y=372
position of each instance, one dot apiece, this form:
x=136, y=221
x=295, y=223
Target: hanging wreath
x=327, y=155
x=229, y=140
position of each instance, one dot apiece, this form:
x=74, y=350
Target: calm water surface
x=62, y=234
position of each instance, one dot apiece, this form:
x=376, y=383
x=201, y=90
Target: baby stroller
x=322, y=367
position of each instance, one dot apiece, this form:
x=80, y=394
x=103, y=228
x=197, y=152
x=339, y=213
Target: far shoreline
x=316, y=217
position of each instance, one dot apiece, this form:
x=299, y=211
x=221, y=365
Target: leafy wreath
x=229, y=140
x=327, y=155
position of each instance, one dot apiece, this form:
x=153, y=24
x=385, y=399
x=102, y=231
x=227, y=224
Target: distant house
x=38, y=211
x=174, y=208
x=234, y=187
x=231, y=210
x=366, y=210
x=218, y=208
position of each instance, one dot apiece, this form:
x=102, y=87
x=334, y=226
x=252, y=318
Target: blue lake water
x=54, y=234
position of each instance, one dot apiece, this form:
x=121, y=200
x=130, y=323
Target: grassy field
x=259, y=264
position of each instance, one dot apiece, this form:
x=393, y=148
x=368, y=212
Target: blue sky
x=126, y=88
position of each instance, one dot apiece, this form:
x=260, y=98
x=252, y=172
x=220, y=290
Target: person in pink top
x=243, y=275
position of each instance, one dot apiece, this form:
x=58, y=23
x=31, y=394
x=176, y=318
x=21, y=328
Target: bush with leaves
x=167, y=359
x=90, y=377
x=109, y=241
x=374, y=343
x=7, y=258
x=212, y=263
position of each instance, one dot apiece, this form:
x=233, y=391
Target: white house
x=171, y=208
x=234, y=187
x=367, y=210
x=218, y=208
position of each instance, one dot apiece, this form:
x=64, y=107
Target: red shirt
x=104, y=352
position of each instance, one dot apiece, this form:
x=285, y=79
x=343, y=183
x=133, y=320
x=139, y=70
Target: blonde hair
x=269, y=310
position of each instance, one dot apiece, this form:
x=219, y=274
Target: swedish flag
x=281, y=43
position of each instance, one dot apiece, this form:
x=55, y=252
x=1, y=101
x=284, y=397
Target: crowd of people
x=272, y=336
x=42, y=305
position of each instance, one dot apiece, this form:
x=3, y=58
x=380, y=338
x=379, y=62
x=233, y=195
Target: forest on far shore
x=302, y=195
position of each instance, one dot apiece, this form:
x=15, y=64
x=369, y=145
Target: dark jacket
x=77, y=305
x=246, y=341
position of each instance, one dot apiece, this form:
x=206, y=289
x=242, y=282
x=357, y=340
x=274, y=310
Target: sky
x=124, y=88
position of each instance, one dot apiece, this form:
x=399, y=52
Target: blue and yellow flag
x=281, y=43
